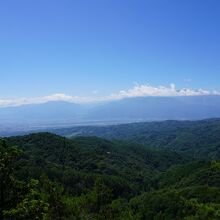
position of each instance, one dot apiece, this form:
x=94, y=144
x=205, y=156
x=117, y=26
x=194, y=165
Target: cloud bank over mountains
x=136, y=91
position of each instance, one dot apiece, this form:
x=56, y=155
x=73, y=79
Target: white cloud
x=136, y=91
x=147, y=90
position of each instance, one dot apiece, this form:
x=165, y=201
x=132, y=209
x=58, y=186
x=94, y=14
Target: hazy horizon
x=103, y=55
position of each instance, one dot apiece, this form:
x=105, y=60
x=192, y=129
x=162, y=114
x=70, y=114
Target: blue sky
x=99, y=47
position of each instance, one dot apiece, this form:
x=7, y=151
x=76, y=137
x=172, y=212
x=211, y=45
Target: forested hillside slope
x=50, y=177
x=200, y=139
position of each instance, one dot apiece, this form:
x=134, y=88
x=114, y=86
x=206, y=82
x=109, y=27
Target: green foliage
x=171, y=204
x=92, y=178
x=199, y=139
x=17, y=199
x=31, y=206
x=10, y=188
x=132, y=163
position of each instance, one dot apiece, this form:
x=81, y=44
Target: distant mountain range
x=125, y=110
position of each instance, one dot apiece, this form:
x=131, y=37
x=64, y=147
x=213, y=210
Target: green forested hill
x=199, y=139
x=91, y=154
x=51, y=177
x=188, y=191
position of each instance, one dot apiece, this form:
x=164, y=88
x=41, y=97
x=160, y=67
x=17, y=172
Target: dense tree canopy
x=199, y=139
x=51, y=177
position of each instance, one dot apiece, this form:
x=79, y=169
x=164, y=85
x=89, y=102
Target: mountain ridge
x=124, y=110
